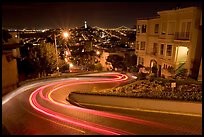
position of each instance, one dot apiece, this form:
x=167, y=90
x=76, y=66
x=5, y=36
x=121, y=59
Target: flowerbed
x=156, y=89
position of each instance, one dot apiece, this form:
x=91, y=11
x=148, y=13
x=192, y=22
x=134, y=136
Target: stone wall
x=9, y=73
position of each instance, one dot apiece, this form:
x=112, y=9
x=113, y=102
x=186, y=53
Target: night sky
x=73, y=14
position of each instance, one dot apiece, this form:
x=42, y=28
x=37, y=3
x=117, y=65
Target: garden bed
x=156, y=89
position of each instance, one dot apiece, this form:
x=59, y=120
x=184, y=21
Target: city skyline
x=73, y=14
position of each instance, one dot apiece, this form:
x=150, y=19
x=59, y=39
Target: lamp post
x=65, y=35
x=56, y=53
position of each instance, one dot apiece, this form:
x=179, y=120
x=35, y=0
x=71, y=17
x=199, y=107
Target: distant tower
x=102, y=35
x=85, y=24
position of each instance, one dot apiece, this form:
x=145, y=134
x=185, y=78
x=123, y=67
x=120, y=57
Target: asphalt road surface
x=40, y=108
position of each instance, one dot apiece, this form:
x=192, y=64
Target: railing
x=181, y=65
x=182, y=36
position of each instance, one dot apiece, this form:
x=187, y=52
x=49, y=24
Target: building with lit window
x=172, y=39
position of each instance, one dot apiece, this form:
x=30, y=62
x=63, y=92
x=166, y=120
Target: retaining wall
x=138, y=103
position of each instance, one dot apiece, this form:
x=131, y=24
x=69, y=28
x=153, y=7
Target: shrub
x=141, y=76
x=154, y=70
x=182, y=74
x=157, y=89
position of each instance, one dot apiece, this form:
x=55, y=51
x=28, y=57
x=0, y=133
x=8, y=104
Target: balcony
x=182, y=36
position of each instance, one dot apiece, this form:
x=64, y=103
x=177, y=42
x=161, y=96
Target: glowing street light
x=66, y=34
x=56, y=52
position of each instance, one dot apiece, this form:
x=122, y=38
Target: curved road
x=41, y=108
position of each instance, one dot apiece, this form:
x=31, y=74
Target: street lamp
x=56, y=53
x=65, y=35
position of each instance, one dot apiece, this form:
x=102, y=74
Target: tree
x=26, y=64
x=130, y=60
x=43, y=58
x=24, y=50
x=134, y=69
x=49, y=40
x=131, y=36
x=98, y=66
x=63, y=66
x=90, y=67
x=116, y=61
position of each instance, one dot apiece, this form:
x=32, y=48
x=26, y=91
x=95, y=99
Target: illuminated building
x=173, y=39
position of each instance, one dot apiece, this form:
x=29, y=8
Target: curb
x=148, y=105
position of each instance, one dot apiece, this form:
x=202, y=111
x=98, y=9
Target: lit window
x=138, y=28
x=141, y=61
x=156, y=28
x=143, y=28
x=162, y=49
x=155, y=48
x=164, y=26
x=169, y=50
x=185, y=30
x=142, y=47
x=138, y=45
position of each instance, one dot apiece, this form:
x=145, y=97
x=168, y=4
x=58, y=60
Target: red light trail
x=84, y=124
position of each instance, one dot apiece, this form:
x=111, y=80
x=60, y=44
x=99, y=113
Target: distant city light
x=66, y=60
x=71, y=65
x=97, y=52
x=66, y=52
